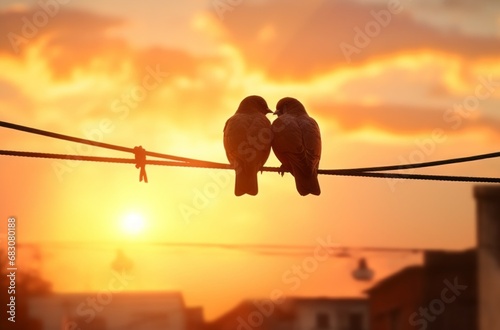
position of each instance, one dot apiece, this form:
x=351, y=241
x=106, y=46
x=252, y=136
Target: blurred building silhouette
x=113, y=311
x=488, y=241
x=450, y=291
x=29, y=284
x=296, y=314
x=441, y=294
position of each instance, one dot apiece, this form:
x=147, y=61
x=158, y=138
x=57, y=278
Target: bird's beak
x=269, y=111
x=276, y=113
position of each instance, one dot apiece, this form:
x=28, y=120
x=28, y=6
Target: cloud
x=307, y=36
x=405, y=119
x=478, y=18
x=71, y=38
x=10, y=95
x=32, y=23
x=14, y=101
x=81, y=39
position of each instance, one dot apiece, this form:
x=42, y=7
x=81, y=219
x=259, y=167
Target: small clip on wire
x=140, y=162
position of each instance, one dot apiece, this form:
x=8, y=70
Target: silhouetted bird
x=247, y=140
x=297, y=144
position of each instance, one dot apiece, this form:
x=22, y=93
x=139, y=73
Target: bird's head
x=289, y=105
x=253, y=103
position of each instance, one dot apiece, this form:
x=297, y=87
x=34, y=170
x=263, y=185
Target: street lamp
x=362, y=273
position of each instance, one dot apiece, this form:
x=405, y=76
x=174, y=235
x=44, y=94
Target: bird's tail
x=307, y=184
x=246, y=183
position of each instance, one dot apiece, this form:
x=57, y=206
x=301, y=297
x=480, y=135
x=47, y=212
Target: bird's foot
x=282, y=170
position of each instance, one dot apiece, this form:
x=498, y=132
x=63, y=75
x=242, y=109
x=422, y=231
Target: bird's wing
x=287, y=143
x=247, y=140
x=259, y=138
x=234, y=135
x=287, y=135
x=298, y=144
x=311, y=138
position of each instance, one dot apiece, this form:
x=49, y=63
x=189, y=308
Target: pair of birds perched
x=294, y=137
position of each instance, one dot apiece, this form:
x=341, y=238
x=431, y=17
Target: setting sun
x=133, y=223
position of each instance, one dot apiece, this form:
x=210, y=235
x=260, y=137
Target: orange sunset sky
x=429, y=70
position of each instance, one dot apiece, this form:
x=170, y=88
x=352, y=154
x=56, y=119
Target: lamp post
x=363, y=273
